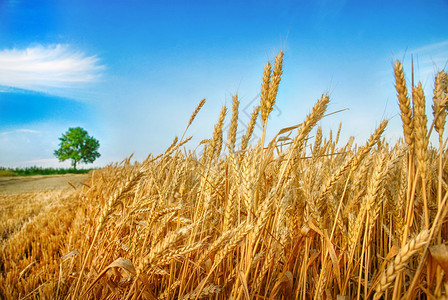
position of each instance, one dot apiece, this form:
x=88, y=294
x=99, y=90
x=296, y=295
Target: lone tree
x=78, y=146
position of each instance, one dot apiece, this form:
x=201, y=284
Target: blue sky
x=131, y=72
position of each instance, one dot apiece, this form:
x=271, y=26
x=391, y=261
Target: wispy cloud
x=429, y=59
x=45, y=162
x=18, y=131
x=43, y=68
x=437, y=47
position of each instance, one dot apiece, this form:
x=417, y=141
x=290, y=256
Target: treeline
x=30, y=171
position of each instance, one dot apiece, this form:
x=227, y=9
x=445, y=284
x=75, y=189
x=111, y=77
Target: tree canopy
x=78, y=146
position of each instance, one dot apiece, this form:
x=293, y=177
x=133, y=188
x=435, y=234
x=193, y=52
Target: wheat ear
x=311, y=120
x=234, y=122
x=250, y=128
x=216, y=142
x=196, y=111
x=405, y=104
x=207, y=291
x=171, y=239
x=440, y=100
x=275, y=80
x=193, y=116
x=223, y=238
x=265, y=106
x=370, y=143
x=394, y=268
x=317, y=141
x=240, y=234
x=420, y=124
x=440, y=111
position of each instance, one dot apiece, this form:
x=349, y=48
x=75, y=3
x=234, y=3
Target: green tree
x=78, y=146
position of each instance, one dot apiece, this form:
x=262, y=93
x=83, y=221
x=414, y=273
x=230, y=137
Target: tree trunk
x=74, y=164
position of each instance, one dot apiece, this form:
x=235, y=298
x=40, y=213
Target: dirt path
x=20, y=184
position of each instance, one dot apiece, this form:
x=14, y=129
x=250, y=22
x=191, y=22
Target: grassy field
x=297, y=217
x=32, y=171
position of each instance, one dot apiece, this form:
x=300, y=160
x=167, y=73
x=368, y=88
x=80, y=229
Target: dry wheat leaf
x=26, y=269
x=120, y=262
x=125, y=264
x=334, y=259
x=69, y=255
x=243, y=281
x=315, y=228
x=286, y=280
x=286, y=129
x=72, y=185
x=283, y=139
x=440, y=255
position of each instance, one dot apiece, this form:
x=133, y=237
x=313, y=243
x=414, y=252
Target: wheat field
x=297, y=217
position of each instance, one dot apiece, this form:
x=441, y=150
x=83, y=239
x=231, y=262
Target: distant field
x=16, y=184
x=22, y=198
x=35, y=214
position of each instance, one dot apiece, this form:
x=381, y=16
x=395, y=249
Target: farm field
x=22, y=198
x=24, y=205
x=19, y=184
x=301, y=216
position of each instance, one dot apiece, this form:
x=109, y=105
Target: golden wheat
x=289, y=220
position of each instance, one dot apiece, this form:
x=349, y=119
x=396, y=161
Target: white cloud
x=43, y=68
